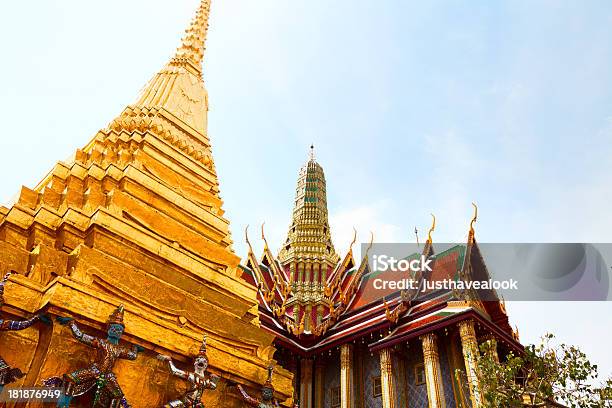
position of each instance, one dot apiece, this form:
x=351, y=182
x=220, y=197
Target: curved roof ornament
x=371, y=244
x=471, y=234
x=354, y=239
x=433, y=227
x=246, y=237
x=263, y=235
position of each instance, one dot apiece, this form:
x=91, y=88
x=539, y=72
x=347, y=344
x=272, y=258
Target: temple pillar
x=292, y=366
x=433, y=376
x=469, y=344
x=319, y=314
x=308, y=275
x=402, y=382
x=386, y=379
x=308, y=319
x=319, y=383
x=293, y=273
x=300, y=272
x=346, y=376
x=306, y=383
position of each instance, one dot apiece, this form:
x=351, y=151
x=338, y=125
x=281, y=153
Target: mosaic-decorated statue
x=7, y=373
x=98, y=376
x=198, y=380
x=267, y=394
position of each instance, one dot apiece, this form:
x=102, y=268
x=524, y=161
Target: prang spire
x=309, y=236
x=308, y=252
x=193, y=42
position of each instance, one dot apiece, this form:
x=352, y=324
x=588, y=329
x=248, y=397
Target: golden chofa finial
x=246, y=237
x=354, y=239
x=370, y=245
x=471, y=235
x=433, y=227
x=192, y=45
x=263, y=235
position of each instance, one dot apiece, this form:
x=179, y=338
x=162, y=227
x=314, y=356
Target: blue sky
x=414, y=107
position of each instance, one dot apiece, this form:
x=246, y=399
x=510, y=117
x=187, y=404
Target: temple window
x=419, y=374
x=335, y=396
x=376, y=386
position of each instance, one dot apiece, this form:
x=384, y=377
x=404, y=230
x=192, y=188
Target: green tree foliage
x=543, y=376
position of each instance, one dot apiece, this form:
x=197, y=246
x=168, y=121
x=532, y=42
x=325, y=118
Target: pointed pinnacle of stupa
x=178, y=87
x=311, y=153
x=193, y=42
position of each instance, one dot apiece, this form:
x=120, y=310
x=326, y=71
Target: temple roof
x=356, y=308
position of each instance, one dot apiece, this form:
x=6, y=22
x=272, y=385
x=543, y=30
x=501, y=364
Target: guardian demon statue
x=267, y=394
x=199, y=381
x=99, y=375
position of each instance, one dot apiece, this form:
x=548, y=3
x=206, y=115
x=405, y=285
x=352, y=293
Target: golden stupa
x=135, y=218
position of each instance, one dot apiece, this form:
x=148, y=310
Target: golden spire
x=178, y=89
x=308, y=251
x=309, y=236
x=193, y=42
